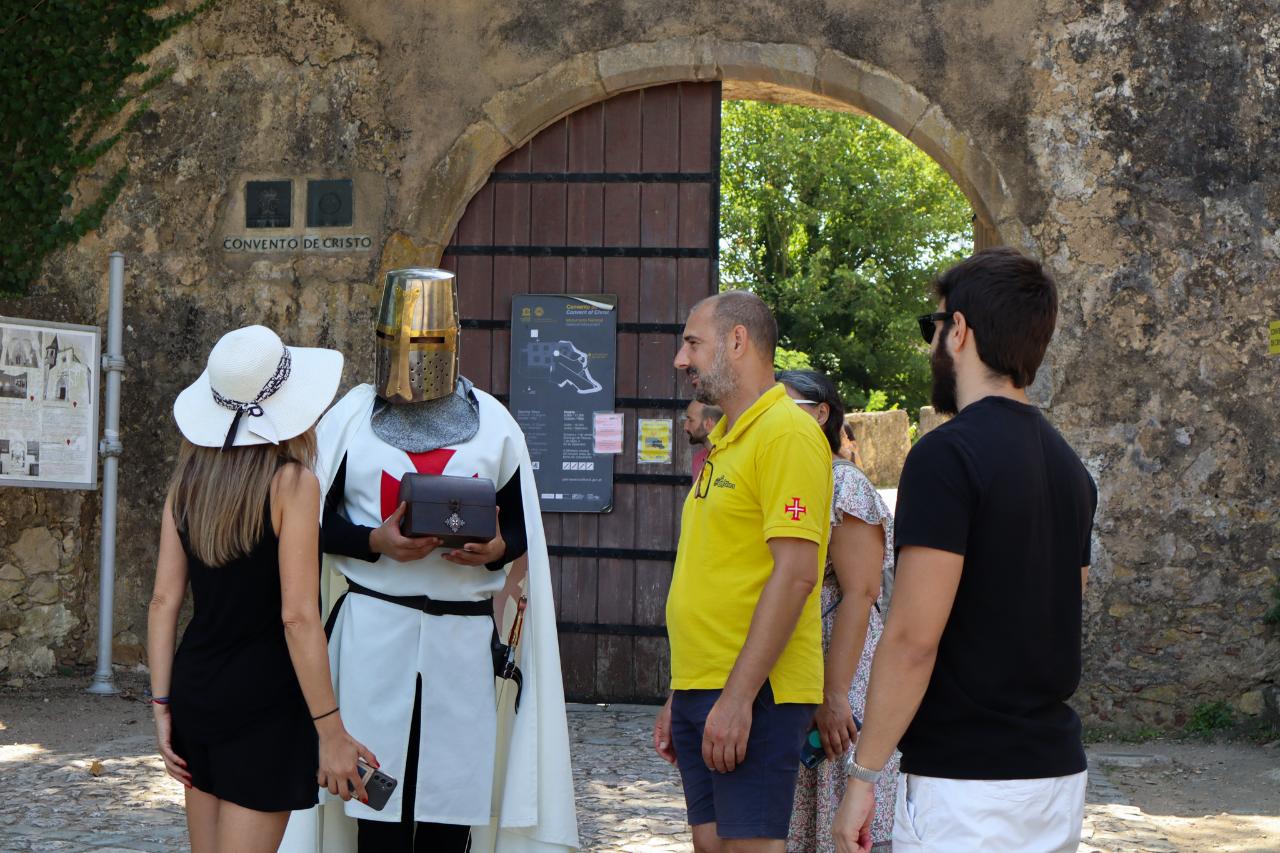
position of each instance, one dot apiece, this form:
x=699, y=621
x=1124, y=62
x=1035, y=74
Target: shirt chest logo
x=795, y=509
x=431, y=462
x=723, y=482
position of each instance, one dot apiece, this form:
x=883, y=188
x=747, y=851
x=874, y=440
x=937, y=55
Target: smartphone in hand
x=813, y=754
x=377, y=785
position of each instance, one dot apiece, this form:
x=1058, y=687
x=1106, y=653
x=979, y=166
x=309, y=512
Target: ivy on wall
x=69, y=70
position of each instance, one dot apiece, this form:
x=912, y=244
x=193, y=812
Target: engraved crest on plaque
x=329, y=204
x=268, y=204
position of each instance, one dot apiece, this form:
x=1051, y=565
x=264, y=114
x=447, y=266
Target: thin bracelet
x=325, y=714
x=159, y=700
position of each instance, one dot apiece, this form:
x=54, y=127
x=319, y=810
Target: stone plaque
x=329, y=204
x=268, y=204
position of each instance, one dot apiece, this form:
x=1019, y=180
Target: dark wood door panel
x=620, y=197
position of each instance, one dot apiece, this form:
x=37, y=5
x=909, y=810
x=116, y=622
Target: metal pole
x=109, y=449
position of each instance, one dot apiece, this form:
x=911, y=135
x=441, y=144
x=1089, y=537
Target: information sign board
x=563, y=366
x=48, y=404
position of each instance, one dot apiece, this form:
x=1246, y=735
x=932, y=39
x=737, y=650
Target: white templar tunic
x=378, y=649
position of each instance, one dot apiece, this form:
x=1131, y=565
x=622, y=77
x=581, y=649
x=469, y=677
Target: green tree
x=789, y=359
x=68, y=69
x=839, y=224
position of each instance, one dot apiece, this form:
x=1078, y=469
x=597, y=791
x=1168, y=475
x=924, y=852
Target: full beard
x=943, y=395
x=717, y=383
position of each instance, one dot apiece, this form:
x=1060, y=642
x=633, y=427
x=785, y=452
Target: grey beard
x=717, y=383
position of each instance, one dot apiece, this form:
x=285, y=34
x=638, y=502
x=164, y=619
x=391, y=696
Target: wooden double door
x=621, y=197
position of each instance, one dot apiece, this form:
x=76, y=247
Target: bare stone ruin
x=1129, y=145
x=883, y=441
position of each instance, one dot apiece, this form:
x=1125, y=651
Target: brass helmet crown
x=417, y=336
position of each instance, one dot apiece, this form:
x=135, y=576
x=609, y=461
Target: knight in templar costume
x=412, y=640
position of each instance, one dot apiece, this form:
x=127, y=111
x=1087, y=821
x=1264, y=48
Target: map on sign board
x=48, y=404
x=563, y=366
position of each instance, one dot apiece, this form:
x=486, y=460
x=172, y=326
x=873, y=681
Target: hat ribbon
x=253, y=408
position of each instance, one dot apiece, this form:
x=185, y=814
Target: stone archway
x=784, y=73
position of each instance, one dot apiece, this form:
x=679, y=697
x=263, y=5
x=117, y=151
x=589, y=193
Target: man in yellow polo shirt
x=742, y=614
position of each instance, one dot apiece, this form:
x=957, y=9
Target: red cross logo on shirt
x=431, y=462
x=795, y=508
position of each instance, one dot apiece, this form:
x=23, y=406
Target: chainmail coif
x=430, y=425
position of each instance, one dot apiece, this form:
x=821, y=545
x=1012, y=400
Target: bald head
x=744, y=308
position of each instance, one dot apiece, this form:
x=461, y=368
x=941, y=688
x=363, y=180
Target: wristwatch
x=863, y=774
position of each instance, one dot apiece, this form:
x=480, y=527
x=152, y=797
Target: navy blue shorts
x=754, y=800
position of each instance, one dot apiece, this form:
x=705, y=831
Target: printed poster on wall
x=653, y=441
x=563, y=366
x=48, y=404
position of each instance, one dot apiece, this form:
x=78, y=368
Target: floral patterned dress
x=818, y=791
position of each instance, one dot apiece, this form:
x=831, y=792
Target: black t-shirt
x=999, y=485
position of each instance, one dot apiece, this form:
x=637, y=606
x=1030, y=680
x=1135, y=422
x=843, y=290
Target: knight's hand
x=388, y=540
x=479, y=553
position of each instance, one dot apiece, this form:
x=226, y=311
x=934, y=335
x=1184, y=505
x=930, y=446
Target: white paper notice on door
x=607, y=430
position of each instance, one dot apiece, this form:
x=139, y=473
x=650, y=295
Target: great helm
x=417, y=346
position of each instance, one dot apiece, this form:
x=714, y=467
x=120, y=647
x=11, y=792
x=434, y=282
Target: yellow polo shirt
x=769, y=477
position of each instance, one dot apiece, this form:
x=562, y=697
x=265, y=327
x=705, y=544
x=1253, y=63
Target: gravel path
x=78, y=773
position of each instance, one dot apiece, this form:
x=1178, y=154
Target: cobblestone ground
x=94, y=783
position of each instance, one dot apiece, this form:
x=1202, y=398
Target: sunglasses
x=926, y=322
x=709, y=470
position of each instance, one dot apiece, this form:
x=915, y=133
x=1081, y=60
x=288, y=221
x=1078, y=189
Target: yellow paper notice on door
x=1274, y=349
x=654, y=442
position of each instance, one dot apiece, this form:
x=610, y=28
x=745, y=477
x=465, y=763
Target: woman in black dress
x=245, y=712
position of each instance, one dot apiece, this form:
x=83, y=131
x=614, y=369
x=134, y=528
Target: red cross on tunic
x=431, y=462
x=795, y=508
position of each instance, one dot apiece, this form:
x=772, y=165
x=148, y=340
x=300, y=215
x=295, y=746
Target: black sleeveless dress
x=239, y=718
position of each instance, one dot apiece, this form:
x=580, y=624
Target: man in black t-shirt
x=981, y=650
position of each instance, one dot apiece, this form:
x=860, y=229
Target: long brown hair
x=218, y=496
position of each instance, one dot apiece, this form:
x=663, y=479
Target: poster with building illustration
x=48, y=404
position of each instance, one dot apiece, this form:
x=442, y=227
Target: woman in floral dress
x=858, y=559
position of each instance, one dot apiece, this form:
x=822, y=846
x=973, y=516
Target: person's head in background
x=996, y=314
x=699, y=420
x=816, y=394
x=849, y=445
x=729, y=342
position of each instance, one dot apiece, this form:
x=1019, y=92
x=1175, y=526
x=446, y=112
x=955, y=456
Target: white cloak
x=378, y=647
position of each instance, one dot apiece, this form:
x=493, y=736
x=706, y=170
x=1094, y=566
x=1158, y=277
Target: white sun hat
x=255, y=390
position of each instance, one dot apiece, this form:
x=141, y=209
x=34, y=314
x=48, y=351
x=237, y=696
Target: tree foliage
x=69, y=69
x=839, y=224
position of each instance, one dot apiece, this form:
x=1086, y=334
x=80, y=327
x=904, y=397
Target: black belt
x=435, y=607
x=428, y=605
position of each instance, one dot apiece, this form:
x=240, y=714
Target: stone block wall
x=45, y=590
x=930, y=419
x=1080, y=131
x=883, y=441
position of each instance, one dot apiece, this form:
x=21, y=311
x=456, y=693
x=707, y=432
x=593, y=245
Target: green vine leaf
x=68, y=69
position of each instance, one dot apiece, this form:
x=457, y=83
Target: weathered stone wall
x=883, y=441
x=1129, y=144
x=44, y=587
x=930, y=419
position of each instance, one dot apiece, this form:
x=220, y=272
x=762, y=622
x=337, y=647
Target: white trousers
x=1009, y=816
